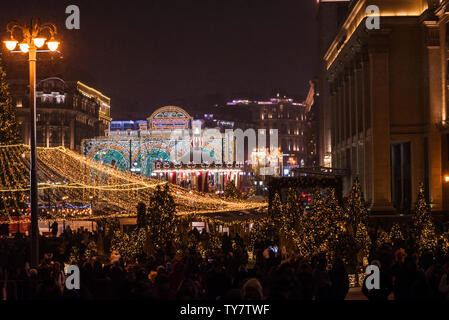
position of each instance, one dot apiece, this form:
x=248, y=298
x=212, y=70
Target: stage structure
x=169, y=146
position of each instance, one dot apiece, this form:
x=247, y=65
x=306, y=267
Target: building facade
x=386, y=107
x=281, y=113
x=67, y=112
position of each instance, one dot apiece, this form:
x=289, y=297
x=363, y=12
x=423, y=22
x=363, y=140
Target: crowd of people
x=226, y=275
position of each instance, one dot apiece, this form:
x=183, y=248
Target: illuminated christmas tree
x=12, y=203
x=290, y=224
x=396, y=236
x=341, y=241
x=382, y=239
x=355, y=206
x=162, y=220
x=129, y=246
x=356, y=215
x=265, y=232
x=424, y=236
x=9, y=133
x=313, y=233
x=231, y=191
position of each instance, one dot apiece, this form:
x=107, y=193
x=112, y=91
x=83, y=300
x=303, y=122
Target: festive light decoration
x=383, y=238
x=161, y=218
x=67, y=177
x=14, y=202
x=129, y=245
x=424, y=235
x=356, y=214
x=91, y=250
x=231, y=191
x=265, y=231
x=396, y=236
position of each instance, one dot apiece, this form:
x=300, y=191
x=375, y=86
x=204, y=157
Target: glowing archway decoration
x=169, y=117
x=113, y=158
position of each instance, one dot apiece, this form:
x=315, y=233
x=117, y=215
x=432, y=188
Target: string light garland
x=68, y=177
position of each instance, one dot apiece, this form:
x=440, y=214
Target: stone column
x=436, y=65
x=380, y=124
x=367, y=150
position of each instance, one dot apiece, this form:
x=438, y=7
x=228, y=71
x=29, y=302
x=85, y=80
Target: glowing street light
x=32, y=38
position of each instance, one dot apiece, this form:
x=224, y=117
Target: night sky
x=146, y=54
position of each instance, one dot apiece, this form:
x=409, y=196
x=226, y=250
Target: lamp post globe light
x=32, y=36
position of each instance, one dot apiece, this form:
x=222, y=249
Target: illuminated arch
x=111, y=157
x=169, y=117
x=147, y=159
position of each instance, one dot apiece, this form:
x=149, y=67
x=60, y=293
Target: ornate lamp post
x=33, y=37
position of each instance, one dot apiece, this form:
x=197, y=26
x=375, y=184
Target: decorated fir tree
x=9, y=133
x=423, y=229
x=11, y=203
x=265, y=232
x=290, y=223
x=231, y=191
x=382, y=239
x=396, y=236
x=162, y=220
x=314, y=228
x=129, y=245
x=355, y=207
x=356, y=214
x=340, y=238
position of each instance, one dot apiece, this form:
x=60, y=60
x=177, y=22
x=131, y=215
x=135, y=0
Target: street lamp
x=33, y=37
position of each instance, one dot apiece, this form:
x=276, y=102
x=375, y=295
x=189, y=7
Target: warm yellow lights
x=10, y=44
x=67, y=175
x=53, y=45
x=446, y=178
x=39, y=42
x=24, y=47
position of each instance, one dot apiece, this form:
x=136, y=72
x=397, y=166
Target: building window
x=401, y=190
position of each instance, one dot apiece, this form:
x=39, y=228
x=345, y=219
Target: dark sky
x=146, y=54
